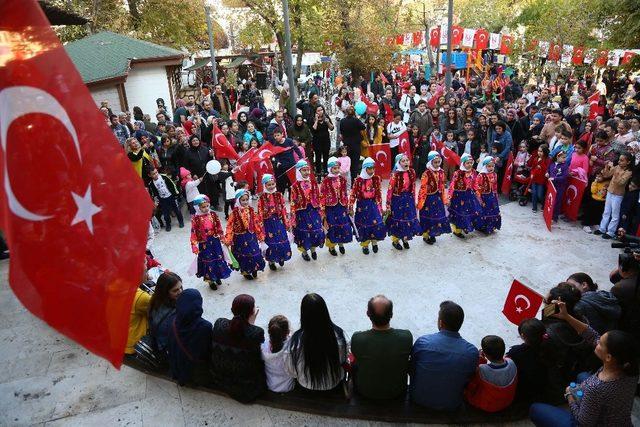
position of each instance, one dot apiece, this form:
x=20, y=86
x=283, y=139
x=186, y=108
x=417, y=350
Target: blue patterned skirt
x=308, y=232
x=247, y=251
x=403, y=220
x=433, y=217
x=211, y=262
x=489, y=219
x=368, y=221
x=275, y=236
x=463, y=210
x=339, y=230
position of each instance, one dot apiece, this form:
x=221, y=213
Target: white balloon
x=213, y=167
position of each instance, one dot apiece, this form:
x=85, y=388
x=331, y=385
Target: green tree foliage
x=166, y=22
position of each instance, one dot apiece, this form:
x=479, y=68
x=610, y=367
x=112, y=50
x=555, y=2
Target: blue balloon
x=361, y=108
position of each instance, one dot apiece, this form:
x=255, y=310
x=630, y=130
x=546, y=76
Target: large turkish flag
x=405, y=147
x=521, y=303
x=74, y=211
x=221, y=145
x=381, y=153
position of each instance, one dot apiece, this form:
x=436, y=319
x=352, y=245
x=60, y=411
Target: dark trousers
x=229, y=203
x=168, y=205
x=321, y=155
x=354, y=155
x=282, y=180
x=394, y=153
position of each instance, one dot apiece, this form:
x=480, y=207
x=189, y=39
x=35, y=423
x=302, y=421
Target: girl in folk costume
x=306, y=219
x=402, y=223
x=432, y=199
x=206, y=233
x=273, y=214
x=335, y=201
x=486, y=185
x=244, y=230
x=463, y=205
x=366, y=194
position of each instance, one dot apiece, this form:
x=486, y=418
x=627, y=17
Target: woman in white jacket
x=409, y=102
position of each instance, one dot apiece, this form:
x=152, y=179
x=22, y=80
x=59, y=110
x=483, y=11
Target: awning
x=200, y=62
x=236, y=62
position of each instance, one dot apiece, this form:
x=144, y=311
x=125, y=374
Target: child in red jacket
x=539, y=164
x=493, y=386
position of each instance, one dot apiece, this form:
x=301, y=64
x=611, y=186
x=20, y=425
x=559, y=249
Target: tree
x=159, y=21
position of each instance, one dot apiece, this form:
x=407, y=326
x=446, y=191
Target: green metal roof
x=107, y=55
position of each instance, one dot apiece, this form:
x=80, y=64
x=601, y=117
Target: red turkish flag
x=448, y=155
x=521, y=303
x=593, y=104
x=508, y=176
x=627, y=57
x=434, y=37
x=506, y=44
x=578, y=55
x=221, y=145
x=456, y=35
x=244, y=172
x=417, y=38
x=399, y=38
x=381, y=153
x=549, y=202
x=291, y=173
x=76, y=218
x=533, y=45
x=405, y=146
x=603, y=57
x=573, y=197
x=555, y=50
x=482, y=39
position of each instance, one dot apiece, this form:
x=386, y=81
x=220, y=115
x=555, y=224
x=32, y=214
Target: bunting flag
x=506, y=46
x=400, y=39
x=555, y=51
x=532, y=45
x=494, y=41
x=614, y=57
x=456, y=35
x=418, y=38
x=567, y=54
x=603, y=57
x=627, y=57
x=578, y=55
x=590, y=55
x=444, y=34
x=543, y=48
x=467, y=37
x=482, y=39
x=408, y=39
x=434, y=37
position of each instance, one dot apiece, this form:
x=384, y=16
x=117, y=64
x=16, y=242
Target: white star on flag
x=86, y=209
x=518, y=310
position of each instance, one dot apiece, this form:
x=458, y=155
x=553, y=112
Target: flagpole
x=288, y=59
x=212, y=49
x=447, y=76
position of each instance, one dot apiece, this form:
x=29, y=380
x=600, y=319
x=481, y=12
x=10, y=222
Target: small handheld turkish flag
x=405, y=146
x=549, y=202
x=381, y=153
x=508, y=176
x=76, y=218
x=521, y=303
x=448, y=155
x=573, y=197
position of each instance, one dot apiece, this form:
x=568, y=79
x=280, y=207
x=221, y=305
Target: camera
x=629, y=247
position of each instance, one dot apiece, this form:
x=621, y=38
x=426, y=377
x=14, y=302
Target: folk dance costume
x=306, y=219
x=206, y=233
x=335, y=202
x=486, y=186
x=432, y=199
x=463, y=207
x=402, y=223
x=273, y=214
x=366, y=195
x=244, y=230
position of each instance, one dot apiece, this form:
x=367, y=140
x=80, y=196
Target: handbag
x=147, y=352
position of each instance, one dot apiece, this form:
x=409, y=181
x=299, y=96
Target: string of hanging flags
x=481, y=39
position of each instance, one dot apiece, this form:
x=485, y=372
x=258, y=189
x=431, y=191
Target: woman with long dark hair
x=236, y=361
x=162, y=308
x=604, y=398
x=315, y=353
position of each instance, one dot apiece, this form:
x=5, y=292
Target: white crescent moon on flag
x=524, y=298
x=17, y=101
x=378, y=156
x=575, y=192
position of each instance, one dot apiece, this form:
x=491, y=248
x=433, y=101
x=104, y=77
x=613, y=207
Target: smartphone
x=549, y=310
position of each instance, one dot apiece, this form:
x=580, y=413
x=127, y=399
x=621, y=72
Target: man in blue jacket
x=442, y=363
x=285, y=160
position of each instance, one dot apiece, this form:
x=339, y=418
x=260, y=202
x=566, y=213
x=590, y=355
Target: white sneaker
x=587, y=229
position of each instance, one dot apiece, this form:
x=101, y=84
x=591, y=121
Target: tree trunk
x=136, y=18
x=297, y=22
